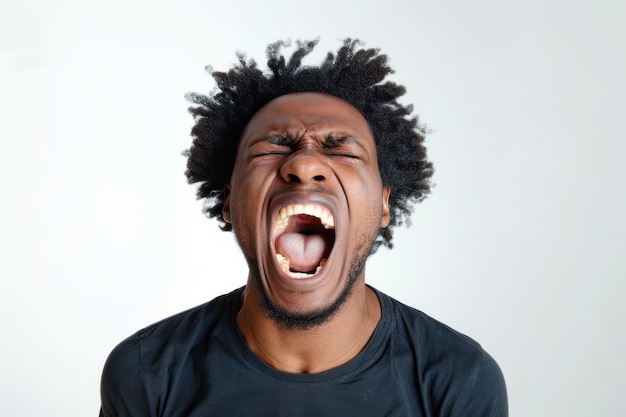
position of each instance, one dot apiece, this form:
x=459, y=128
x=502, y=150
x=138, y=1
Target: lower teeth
x=284, y=266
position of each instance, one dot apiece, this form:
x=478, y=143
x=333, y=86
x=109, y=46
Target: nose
x=305, y=166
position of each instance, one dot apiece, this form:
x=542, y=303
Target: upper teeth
x=320, y=212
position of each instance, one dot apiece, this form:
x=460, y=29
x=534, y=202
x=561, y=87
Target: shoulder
x=426, y=332
x=122, y=387
x=453, y=368
x=129, y=368
x=176, y=330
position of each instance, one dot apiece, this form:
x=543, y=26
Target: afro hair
x=354, y=74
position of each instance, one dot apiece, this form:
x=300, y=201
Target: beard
x=306, y=321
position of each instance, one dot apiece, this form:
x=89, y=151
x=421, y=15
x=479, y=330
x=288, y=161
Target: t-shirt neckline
x=368, y=356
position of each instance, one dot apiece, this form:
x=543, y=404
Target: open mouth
x=303, y=238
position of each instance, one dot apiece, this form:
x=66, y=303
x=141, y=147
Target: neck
x=313, y=350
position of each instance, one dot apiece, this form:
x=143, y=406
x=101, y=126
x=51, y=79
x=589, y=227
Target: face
x=306, y=203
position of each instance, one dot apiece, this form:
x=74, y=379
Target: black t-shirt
x=196, y=364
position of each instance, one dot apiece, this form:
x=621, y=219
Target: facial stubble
x=305, y=321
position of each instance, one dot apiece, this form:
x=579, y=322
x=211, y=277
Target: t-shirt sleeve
x=487, y=396
x=122, y=389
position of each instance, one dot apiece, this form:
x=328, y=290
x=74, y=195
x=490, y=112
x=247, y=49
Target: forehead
x=297, y=113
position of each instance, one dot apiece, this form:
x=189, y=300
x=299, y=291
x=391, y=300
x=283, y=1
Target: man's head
x=306, y=202
x=353, y=75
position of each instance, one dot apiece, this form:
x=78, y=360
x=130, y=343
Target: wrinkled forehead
x=295, y=112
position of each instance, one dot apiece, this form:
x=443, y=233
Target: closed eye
x=346, y=147
x=336, y=152
x=270, y=145
x=275, y=150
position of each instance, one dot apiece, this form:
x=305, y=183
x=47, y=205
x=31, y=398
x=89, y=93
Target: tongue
x=304, y=252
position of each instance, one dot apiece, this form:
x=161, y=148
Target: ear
x=384, y=222
x=226, y=208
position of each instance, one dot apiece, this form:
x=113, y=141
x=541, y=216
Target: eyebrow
x=333, y=141
x=275, y=139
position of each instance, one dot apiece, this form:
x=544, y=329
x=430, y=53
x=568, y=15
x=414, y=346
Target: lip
x=303, y=198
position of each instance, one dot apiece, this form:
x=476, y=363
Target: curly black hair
x=354, y=75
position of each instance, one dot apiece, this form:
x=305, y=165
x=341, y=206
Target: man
x=311, y=167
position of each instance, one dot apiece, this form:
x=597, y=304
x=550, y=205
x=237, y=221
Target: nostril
x=293, y=178
x=304, y=167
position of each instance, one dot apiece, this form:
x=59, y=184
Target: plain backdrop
x=520, y=245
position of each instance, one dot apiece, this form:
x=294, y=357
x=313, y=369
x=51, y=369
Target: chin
x=306, y=320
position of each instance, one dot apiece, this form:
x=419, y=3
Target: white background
x=521, y=244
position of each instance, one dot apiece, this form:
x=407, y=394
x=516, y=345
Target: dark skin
x=314, y=154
